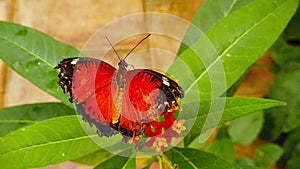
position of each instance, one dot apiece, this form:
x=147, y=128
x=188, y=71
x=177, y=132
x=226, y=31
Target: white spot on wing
x=74, y=61
x=165, y=81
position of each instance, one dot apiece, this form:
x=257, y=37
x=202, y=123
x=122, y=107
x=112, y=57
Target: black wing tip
x=65, y=75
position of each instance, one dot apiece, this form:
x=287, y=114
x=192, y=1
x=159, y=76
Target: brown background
x=74, y=21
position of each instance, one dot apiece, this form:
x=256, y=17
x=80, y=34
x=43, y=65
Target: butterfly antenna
x=113, y=47
x=137, y=45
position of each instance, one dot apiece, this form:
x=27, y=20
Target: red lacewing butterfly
x=135, y=103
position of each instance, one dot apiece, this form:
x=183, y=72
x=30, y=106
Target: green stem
x=167, y=161
x=159, y=157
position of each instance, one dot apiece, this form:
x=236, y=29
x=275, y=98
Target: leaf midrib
x=231, y=45
x=126, y=163
x=49, y=143
x=232, y=108
x=230, y=8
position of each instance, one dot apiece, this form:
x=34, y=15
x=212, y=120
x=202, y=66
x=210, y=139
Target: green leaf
x=194, y=159
x=244, y=163
x=223, y=148
x=241, y=38
x=232, y=90
x=291, y=147
x=283, y=53
x=284, y=119
x=267, y=155
x=292, y=30
x=240, y=166
x=117, y=162
x=94, y=158
x=206, y=18
x=287, y=49
x=231, y=46
x=234, y=108
x=290, y=142
x=15, y=117
x=48, y=142
x=245, y=129
x=34, y=55
x=293, y=161
x=223, y=54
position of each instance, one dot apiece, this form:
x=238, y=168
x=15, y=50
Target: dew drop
x=227, y=54
x=39, y=63
x=23, y=129
x=63, y=154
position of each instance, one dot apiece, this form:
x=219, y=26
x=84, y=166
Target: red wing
x=147, y=95
x=90, y=76
x=90, y=89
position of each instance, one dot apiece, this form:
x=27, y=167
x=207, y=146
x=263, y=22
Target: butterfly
x=133, y=102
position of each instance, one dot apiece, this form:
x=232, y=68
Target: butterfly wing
x=147, y=95
x=88, y=81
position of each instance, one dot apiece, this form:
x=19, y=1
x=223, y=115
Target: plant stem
x=159, y=157
x=167, y=161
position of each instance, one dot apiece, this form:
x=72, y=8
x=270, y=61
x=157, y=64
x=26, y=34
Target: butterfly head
x=123, y=64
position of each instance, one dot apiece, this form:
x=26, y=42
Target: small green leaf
x=285, y=85
x=15, y=117
x=48, y=142
x=223, y=148
x=188, y=158
x=117, y=162
x=290, y=142
x=34, y=55
x=293, y=161
x=284, y=119
x=291, y=32
x=234, y=108
x=237, y=166
x=283, y=53
x=267, y=155
x=244, y=163
x=245, y=129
